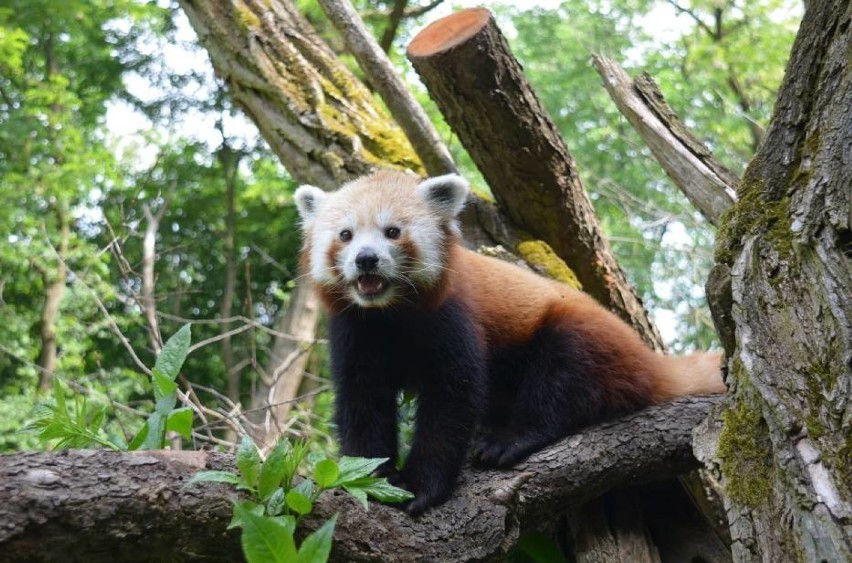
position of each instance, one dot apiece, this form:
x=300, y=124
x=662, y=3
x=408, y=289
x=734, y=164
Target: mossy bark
x=781, y=296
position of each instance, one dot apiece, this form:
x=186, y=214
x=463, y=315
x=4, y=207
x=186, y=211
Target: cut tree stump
x=465, y=63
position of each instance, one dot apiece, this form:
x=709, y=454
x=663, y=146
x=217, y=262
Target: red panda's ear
x=445, y=194
x=308, y=200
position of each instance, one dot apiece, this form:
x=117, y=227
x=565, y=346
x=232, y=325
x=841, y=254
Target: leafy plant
x=152, y=435
x=77, y=427
x=80, y=426
x=276, y=505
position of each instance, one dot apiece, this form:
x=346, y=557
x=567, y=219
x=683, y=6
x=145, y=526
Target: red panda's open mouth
x=370, y=285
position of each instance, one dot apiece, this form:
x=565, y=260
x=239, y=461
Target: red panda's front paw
x=429, y=490
x=389, y=471
x=499, y=452
x=423, y=501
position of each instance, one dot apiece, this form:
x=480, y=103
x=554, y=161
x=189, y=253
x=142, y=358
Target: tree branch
x=401, y=103
x=107, y=506
x=469, y=70
x=709, y=186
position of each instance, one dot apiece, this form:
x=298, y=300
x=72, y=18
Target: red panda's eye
x=392, y=233
x=345, y=235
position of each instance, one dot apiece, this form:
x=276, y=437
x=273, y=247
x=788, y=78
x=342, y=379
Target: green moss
x=246, y=18
x=538, y=253
x=753, y=214
x=815, y=379
x=390, y=146
x=483, y=192
x=744, y=449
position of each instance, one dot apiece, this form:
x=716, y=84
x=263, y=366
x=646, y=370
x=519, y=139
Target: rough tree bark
x=54, y=289
x=113, y=506
x=709, y=186
x=384, y=78
x=465, y=63
x=780, y=297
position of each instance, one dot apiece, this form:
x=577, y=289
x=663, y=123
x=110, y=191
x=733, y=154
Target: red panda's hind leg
x=560, y=381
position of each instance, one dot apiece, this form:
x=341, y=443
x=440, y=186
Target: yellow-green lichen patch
x=541, y=257
x=753, y=214
x=390, y=147
x=744, y=451
x=246, y=18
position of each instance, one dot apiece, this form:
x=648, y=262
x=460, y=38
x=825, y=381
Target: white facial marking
x=367, y=208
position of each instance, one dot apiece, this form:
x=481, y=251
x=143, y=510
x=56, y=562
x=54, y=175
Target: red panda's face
x=379, y=239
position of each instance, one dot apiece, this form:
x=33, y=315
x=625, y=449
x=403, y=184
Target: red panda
x=503, y=360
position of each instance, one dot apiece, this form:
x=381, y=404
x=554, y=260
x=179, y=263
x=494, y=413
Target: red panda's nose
x=366, y=260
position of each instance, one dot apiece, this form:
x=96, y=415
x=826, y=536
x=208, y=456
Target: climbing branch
x=107, y=506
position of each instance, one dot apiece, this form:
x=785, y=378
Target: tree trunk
x=149, y=261
x=465, y=63
x=54, y=283
x=780, y=296
x=230, y=162
x=120, y=506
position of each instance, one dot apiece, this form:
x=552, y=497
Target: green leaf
x=379, y=489
x=214, y=477
x=325, y=473
x=277, y=501
x=156, y=437
x=140, y=437
x=352, y=468
x=274, y=469
x=359, y=495
x=264, y=539
x=163, y=386
x=317, y=546
x=287, y=520
x=248, y=461
x=174, y=353
x=306, y=487
x=299, y=503
x=180, y=421
x=253, y=507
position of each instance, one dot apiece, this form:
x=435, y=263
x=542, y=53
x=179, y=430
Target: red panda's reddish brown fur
x=511, y=303
x=485, y=343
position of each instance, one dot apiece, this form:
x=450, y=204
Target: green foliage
x=270, y=517
x=77, y=426
x=535, y=547
x=663, y=245
x=165, y=372
x=81, y=425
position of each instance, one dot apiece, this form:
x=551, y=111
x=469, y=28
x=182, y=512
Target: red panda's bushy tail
x=699, y=373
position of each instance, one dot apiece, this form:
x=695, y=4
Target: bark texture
x=780, y=295
x=480, y=88
x=709, y=186
x=54, y=289
x=383, y=77
x=109, y=506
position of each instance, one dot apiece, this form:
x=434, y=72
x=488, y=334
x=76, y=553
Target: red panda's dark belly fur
x=522, y=397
